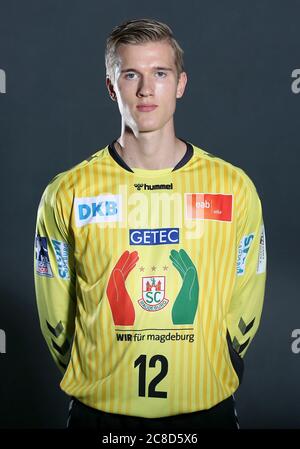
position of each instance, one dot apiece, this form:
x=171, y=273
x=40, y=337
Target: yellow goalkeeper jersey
x=150, y=283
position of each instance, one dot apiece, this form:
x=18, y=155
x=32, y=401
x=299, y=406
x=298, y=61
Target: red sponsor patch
x=208, y=206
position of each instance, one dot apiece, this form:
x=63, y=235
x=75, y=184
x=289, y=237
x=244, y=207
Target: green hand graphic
x=186, y=302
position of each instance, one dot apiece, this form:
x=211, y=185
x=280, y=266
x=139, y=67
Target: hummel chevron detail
x=238, y=347
x=56, y=331
x=63, y=349
x=244, y=328
x=63, y=365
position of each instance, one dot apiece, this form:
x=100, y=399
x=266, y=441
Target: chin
x=143, y=127
x=148, y=129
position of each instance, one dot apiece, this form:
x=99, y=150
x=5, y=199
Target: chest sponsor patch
x=262, y=255
x=61, y=250
x=98, y=209
x=243, y=250
x=162, y=236
x=153, y=298
x=208, y=206
x=43, y=266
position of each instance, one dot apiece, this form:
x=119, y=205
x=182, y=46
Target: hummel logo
x=154, y=186
x=138, y=186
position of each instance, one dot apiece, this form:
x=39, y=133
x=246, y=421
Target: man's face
x=146, y=85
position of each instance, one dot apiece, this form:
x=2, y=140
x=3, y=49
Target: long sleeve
x=247, y=300
x=54, y=276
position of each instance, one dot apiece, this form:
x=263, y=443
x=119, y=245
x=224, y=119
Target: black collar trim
x=117, y=158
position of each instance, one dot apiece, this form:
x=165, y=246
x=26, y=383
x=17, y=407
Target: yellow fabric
x=136, y=303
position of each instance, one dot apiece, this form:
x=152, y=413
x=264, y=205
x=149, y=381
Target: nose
x=145, y=88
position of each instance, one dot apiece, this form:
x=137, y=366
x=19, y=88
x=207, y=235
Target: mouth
x=146, y=107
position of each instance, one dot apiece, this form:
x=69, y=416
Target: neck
x=150, y=150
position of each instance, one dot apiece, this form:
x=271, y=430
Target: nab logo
x=98, y=209
x=162, y=236
x=208, y=206
x=2, y=82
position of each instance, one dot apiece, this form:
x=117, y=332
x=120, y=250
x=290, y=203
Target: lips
x=146, y=107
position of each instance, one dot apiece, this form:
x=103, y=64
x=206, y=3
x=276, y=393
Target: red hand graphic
x=119, y=299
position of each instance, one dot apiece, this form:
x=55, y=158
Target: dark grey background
x=238, y=105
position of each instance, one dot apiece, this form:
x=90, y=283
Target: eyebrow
x=154, y=68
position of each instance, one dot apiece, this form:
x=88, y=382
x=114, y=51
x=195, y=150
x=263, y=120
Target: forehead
x=156, y=54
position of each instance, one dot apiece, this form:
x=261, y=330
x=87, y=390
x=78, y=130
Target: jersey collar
x=117, y=158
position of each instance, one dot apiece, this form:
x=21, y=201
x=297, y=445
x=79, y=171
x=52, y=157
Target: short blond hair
x=140, y=31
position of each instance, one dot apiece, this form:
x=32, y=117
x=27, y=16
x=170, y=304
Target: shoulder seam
x=90, y=160
x=217, y=159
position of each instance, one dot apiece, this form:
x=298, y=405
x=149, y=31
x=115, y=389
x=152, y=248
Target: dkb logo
x=2, y=82
x=97, y=209
x=2, y=342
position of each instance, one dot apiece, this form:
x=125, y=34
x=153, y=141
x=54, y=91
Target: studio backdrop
x=242, y=103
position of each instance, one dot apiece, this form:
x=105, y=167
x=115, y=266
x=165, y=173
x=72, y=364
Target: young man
x=150, y=260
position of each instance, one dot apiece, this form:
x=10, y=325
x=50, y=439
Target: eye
x=161, y=74
x=130, y=76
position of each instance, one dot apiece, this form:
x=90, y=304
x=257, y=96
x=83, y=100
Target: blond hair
x=140, y=31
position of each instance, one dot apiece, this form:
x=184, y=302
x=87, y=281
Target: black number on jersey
x=141, y=362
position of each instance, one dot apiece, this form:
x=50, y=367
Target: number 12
x=141, y=362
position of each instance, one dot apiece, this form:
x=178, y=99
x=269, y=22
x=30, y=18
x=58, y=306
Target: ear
x=110, y=89
x=181, y=84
